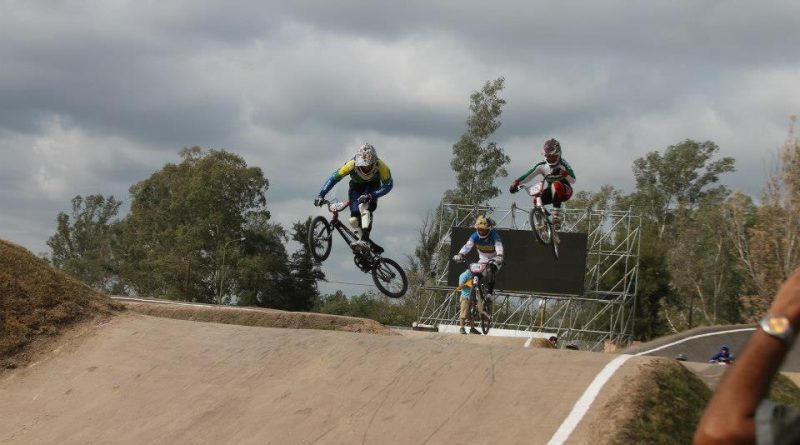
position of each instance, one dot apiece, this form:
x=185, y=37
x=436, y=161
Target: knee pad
x=366, y=216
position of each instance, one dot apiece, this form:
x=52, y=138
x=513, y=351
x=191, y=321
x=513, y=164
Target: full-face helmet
x=552, y=152
x=482, y=226
x=366, y=158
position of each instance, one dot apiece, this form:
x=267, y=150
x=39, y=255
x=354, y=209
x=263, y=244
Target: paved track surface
x=140, y=379
x=698, y=345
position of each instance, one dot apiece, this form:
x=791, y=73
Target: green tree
x=668, y=186
x=304, y=271
x=678, y=179
x=81, y=245
x=767, y=237
x=477, y=162
x=263, y=273
x=703, y=267
x=183, y=236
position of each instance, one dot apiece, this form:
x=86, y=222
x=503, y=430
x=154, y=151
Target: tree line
x=708, y=255
x=200, y=230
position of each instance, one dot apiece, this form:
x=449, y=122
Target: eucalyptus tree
x=192, y=227
x=81, y=245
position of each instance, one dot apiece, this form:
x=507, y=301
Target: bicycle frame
x=365, y=259
x=477, y=269
x=536, y=193
x=348, y=235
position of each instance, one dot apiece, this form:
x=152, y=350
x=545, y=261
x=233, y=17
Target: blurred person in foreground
x=739, y=412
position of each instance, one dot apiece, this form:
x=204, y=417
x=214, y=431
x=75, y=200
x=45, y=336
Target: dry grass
x=38, y=301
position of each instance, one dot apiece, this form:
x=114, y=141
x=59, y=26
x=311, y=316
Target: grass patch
x=668, y=401
x=784, y=391
x=38, y=301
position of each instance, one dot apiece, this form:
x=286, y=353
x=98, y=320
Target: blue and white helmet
x=366, y=158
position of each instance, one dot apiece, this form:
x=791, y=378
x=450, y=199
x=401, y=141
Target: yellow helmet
x=482, y=226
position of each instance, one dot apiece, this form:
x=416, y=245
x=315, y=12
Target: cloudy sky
x=97, y=95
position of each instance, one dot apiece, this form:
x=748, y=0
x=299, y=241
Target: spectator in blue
x=723, y=356
x=465, y=287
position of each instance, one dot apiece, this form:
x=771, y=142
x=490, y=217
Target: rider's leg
x=561, y=192
x=551, y=196
x=462, y=315
x=355, y=214
x=367, y=230
x=489, y=276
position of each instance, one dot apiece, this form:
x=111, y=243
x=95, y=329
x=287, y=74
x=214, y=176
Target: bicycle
x=480, y=306
x=540, y=218
x=388, y=276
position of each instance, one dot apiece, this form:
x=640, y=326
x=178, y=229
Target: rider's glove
x=365, y=198
x=498, y=260
x=458, y=258
x=318, y=201
x=514, y=187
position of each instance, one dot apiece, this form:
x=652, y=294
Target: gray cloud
x=97, y=96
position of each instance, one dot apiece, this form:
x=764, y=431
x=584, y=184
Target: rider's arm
x=570, y=172
x=530, y=174
x=730, y=416
x=386, y=180
x=337, y=176
x=468, y=245
x=498, y=244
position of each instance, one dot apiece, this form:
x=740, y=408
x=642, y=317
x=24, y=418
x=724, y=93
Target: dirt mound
x=663, y=404
x=269, y=318
x=38, y=302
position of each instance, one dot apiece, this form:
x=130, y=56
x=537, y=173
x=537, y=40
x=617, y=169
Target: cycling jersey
x=487, y=248
x=544, y=169
x=378, y=181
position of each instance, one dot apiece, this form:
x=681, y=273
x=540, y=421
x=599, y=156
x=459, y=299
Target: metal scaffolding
x=605, y=312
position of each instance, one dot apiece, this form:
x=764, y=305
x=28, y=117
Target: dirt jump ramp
x=140, y=379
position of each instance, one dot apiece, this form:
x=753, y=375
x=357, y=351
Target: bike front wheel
x=320, y=238
x=541, y=226
x=390, y=278
x=554, y=245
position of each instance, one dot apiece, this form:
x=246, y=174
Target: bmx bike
x=388, y=276
x=480, y=305
x=540, y=218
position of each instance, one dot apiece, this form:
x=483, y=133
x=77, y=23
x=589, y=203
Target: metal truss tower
x=605, y=313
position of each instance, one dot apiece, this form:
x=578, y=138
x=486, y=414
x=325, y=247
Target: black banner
x=529, y=265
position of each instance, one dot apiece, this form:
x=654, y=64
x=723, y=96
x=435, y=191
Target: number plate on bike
x=477, y=267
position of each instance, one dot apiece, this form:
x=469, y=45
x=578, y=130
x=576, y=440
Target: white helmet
x=366, y=158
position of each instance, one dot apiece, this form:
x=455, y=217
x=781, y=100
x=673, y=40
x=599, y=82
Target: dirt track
x=142, y=379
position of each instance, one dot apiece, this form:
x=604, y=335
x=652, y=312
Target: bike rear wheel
x=484, y=310
x=541, y=226
x=390, y=278
x=320, y=238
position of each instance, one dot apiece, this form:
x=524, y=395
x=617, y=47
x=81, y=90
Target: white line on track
x=583, y=404
x=708, y=334
x=585, y=401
